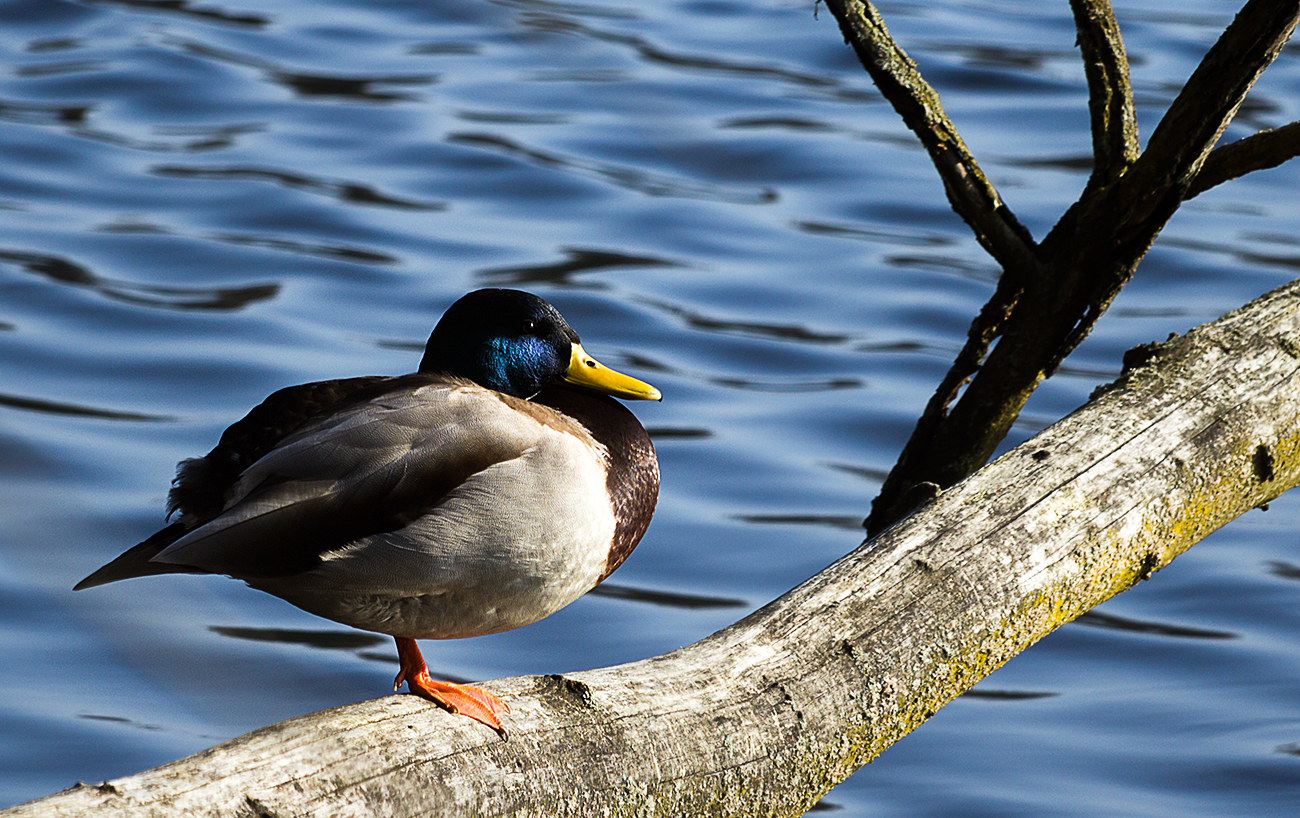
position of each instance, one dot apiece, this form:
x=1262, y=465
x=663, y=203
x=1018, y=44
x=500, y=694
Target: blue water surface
x=201, y=202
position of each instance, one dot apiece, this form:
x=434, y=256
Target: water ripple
x=364, y=89
x=573, y=9
x=670, y=599
x=1003, y=55
x=1285, y=570
x=1252, y=257
x=629, y=178
x=351, y=192
x=323, y=638
x=662, y=433
x=843, y=522
x=76, y=120
x=62, y=271
x=336, y=252
x=579, y=260
x=51, y=69
x=120, y=720
x=49, y=407
x=855, y=231
x=784, y=332
x=699, y=63
x=207, y=12
x=1097, y=619
x=1008, y=695
x=35, y=113
x=789, y=387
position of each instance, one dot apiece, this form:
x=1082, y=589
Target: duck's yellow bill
x=585, y=370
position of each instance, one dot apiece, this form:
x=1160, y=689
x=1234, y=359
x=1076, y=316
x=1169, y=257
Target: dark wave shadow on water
x=364, y=89
x=207, y=12
x=326, y=639
x=789, y=387
x=309, y=85
x=622, y=176
x=350, y=192
x=1289, y=261
x=335, y=252
x=839, y=521
x=784, y=332
x=945, y=352
x=975, y=270
x=866, y=473
x=698, y=63
x=1008, y=695
x=49, y=407
x=1004, y=56
x=36, y=113
x=511, y=118
x=1097, y=619
x=443, y=49
x=670, y=599
x=578, y=260
x=1079, y=163
x=62, y=271
x=893, y=235
x=639, y=361
x=77, y=121
x=1285, y=570
x=677, y=433
x=125, y=722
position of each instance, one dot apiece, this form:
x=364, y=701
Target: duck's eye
x=528, y=327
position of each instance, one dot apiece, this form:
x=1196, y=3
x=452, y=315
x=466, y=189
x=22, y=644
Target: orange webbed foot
x=467, y=700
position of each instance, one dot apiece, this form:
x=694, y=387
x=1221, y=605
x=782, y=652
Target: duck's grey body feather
x=423, y=513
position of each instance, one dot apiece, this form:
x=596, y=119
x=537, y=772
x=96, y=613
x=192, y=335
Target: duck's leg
x=466, y=700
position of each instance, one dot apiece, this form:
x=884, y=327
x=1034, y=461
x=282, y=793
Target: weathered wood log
x=765, y=716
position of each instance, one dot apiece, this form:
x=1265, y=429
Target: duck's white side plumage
x=502, y=548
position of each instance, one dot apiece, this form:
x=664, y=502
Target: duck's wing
x=199, y=492
x=371, y=467
x=201, y=489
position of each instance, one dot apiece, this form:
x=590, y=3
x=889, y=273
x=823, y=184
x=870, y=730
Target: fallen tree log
x=765, y=716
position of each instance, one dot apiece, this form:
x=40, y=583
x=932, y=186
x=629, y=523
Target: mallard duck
x=482, y=493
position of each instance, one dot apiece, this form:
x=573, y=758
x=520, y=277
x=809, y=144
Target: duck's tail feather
x=135, y=561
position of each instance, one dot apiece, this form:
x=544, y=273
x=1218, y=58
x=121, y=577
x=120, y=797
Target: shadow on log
x=765, y=716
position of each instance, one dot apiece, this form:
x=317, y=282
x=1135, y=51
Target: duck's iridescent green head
x=517, y=343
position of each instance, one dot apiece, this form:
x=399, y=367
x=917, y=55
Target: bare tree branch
x=900, y=493
x=1110, y=96
x=1088, y=257
x=1097, y=245
x=969, y=191
x=1266, y=149
x=1158, y=180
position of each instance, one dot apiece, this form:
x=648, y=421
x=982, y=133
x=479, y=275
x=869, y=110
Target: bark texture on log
x=765, y=716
